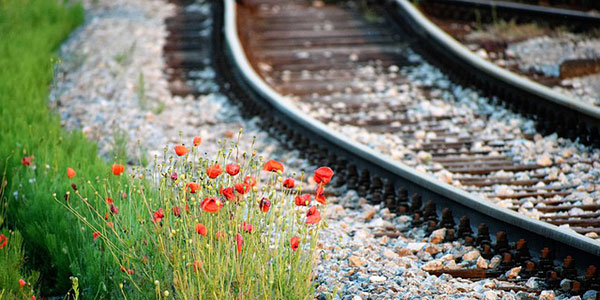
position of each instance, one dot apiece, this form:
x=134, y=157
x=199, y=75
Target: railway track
x=315, y=55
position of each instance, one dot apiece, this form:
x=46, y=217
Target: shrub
x=221, y=228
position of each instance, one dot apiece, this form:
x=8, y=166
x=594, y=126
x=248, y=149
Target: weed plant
x=227, y=227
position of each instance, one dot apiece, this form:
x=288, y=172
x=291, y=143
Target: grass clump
x=228, y=227
x=36, y=153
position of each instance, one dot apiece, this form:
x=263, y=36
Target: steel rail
x=567, y=116
x=236, y=70
x=512, y=8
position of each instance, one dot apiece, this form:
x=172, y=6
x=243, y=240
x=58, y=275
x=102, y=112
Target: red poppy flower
x=246, y=227
x=232, y=169
x=33, y=298
x=22, y=282
x=3, y=241
x=158, y=215
x=174, y=176
x=176, y=211
x=114, y=210
x=106, y=216
x=313, y=216
x=214, y=171
x=323, y=175
x=220, y=234
x=181, y=150
x=228, y=193
x=320, y=195
x=96, y=235
x=294, y=243
x=117, y=169
x=239, y=241
x=197, y=265
x=70, y=173
x=264, y=205
x=242, y=188
x=197, y=141
x=26, y=161
x=193, y=187
x=289, y=183
x=109, y=201
x=250, y=180
x=201, y=229
x=130, y=271
x=211, y=204
x=302, y=200
x=273, y=166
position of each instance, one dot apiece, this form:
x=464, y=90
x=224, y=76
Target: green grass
x=30, y=31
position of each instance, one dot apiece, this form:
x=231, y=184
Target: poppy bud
x=239, y=241
x=74, y=186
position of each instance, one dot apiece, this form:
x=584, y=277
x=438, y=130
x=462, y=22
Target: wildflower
x=289, y=183
x=320, y=195
x=242, y=188
x=201, y=229
x=26, y=161
x=246, y=227
x=181, y=150
x=113, y=210
x=197, y=141
x=228, y=193
x=3, y=241
x=193, y=187
x=22, y=282
x=294, y=243
x=323, y=175
x=197, y=265
x=110, y=224
x=96, y=235
x=273, y=166
x=302, y=200
x=70, y=173
x=177, y=211
x=220, y=234
x=130, y=271
x=264, y=205
x=211, y=204
x=109, y=201
x=117, y=169
x=239, y=241
x=232, y=169
x=214, y=171
x=33, y=298
x=158, y=215
x=106, y=215
x=250, y=180
x=174, y=176
x=313, y=216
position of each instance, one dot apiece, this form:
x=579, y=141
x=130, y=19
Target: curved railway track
x=325, y=40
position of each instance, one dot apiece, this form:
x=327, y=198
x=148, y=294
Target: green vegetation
x=30, y=31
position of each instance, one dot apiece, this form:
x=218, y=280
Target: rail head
x=386, y=164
